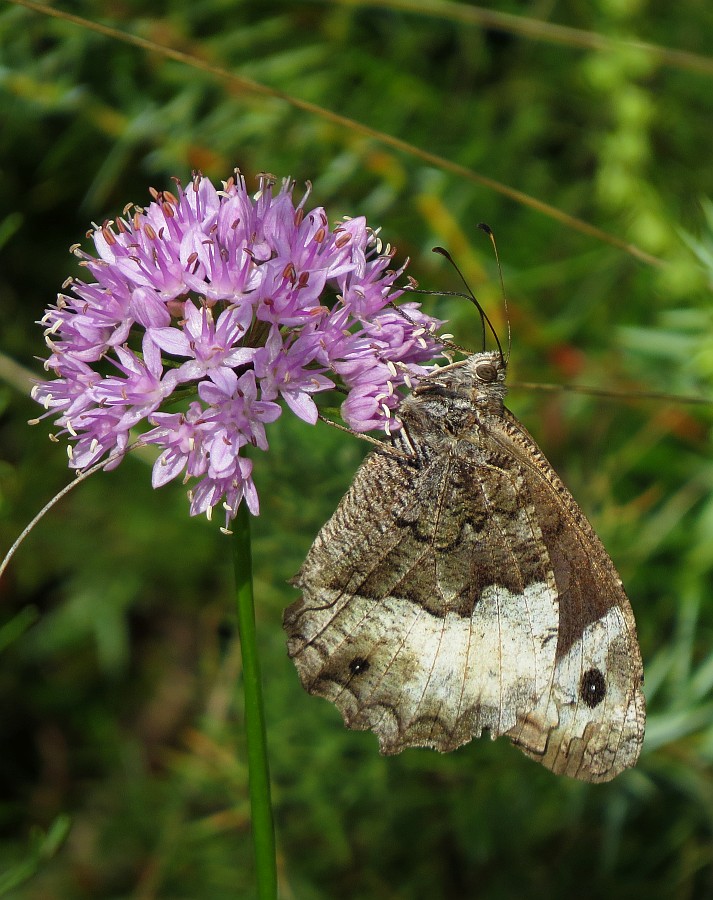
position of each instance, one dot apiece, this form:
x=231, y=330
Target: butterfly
x=459, y=589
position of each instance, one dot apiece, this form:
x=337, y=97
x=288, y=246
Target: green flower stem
x=263, y=829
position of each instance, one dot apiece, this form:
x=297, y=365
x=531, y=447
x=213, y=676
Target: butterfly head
x=484, y=374
x=487, y=369
x=475, y=385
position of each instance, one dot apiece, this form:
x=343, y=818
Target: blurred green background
x=122, y=760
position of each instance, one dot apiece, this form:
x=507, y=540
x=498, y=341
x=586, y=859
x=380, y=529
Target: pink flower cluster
x=207, y=308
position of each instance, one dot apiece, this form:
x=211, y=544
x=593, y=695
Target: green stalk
x=263, y=829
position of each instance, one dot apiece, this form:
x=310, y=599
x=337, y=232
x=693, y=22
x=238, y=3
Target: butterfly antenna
x=489, y=231
x=413, y=288
x=471, y=296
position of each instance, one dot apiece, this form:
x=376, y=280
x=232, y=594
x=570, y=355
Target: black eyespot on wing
x=359, y=665
x=593, y=687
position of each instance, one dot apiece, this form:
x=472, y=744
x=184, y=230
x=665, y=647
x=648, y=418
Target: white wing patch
x=420, y=679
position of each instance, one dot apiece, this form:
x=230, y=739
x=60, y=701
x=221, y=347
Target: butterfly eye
x=487, y=372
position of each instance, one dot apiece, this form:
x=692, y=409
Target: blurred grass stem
x=263, y=830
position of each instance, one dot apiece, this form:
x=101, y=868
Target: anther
x=108, y=235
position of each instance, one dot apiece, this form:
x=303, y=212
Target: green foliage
x=119, y=667
x=42, y=847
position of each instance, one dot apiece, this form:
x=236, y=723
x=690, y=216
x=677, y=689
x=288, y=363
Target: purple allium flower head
x=221, y=305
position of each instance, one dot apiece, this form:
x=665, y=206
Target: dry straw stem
x=539, y=30
x=431, y=159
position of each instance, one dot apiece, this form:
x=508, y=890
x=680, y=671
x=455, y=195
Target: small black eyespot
x=487, y=372
x=359, y=665
x=593, y=688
